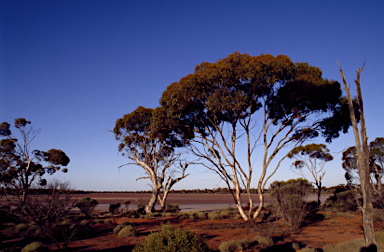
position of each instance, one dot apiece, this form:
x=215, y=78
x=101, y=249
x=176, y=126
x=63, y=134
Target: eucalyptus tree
x=362, y=158
x=264, y=98
x=376, y=162
x=312, y=157
x=19, y=166
x=153, y=151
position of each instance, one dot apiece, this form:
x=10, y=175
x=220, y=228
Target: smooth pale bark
x=362, y=158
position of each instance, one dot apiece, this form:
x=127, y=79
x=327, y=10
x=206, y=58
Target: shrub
x=133, y=214
x=356, y=245
x=171, y=208
x=114, y=208
x=172, y=239
x=342, y=201
x=232, y=246
x=127, y=231
x=290, y=196
x=215, y=215
x=119, y=227
x=183, y=216
x=229, y=246
x=265, y=240
x=108, y=221
x=201, y=215
x=35, y=246
x=86, y=205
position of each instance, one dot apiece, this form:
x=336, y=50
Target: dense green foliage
x=171, y=240
x=150, y=149
x=221, y=102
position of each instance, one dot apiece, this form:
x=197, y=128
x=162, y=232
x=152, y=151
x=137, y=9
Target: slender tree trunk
x=362, y=158
x=238, y=203
x=149, y=207
x=367, y=204
x=318, y=193
x=163, y=199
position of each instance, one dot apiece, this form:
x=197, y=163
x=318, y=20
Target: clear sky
x=74, y=67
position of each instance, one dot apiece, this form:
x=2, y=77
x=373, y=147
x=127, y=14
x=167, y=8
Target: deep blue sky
x=74, y=67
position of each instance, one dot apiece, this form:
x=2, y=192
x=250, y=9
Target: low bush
x=201, y=215
x=342, y=201
x=215, y=215
x=183, y=216
x=171, y=208
x=34, y=246
x=172, y=239
x=229, y=246
x=133, y=214
x=119, y=227
x=355, y=245
x=86, y=205
x=128, y=231
x=265, y=240
x=291, y=204
x=232, y=246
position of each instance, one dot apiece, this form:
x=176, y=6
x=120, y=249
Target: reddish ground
x=330, y=230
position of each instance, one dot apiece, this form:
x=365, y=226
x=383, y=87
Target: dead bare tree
x=362, y=158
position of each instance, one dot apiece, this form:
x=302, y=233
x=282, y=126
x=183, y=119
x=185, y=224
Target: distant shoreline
x=187, y=202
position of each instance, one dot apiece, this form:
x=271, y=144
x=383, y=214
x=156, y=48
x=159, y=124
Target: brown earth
x=331, y=230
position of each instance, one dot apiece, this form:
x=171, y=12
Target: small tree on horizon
x=19, y=166
x=313, y=157
x=376, y=162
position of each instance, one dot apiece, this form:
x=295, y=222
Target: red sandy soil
x=329, y=230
